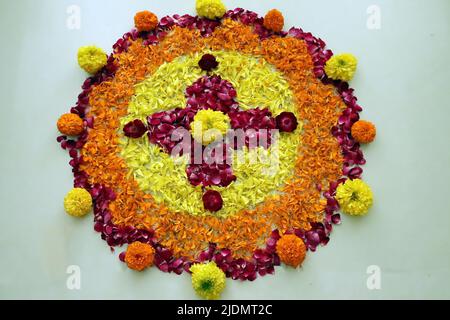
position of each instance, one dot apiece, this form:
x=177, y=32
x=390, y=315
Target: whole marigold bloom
x=70, y=124
x=92, y=59
x=341, y=67
x=145, y=21
x=208, y=280
x=274, y=20
x=208, y=123
x=291, y=249
x=78, y=202
x=139, y=256
x=211, y=9
x=354, y=197
x=364, y=131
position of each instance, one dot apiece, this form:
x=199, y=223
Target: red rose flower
x=212, y=201
x=135, y=129
x=208, y=62
x=287, y=122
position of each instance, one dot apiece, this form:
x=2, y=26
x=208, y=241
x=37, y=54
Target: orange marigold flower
x=274, y=20
x=70, y=124
x=291, y=249
x=139, y=256
x=145, y=21
x=364, y=131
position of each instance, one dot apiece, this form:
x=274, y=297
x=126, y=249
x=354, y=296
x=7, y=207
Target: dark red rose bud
x=287, y=122
x=208, y=62
x=135, y=129
x=212, y=201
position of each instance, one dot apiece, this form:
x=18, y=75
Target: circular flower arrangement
x=150, y=157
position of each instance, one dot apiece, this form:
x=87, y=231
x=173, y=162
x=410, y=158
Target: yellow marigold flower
x=211, y=9
x=291, y=250
x=208, y=280
x=341, y=67
x=92, y=59
x=354, y=197
x=209, y=120
x=78, y=202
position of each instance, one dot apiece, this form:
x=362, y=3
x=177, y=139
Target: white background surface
x=401, y=83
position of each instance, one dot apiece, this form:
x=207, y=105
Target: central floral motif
x=260, y=171
x=201, y=129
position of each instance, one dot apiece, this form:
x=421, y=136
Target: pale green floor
x=401, y=82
